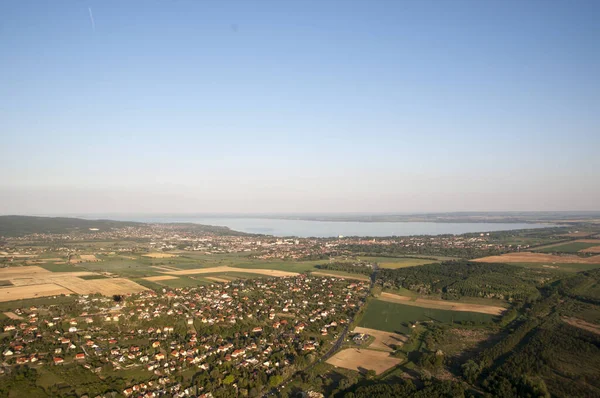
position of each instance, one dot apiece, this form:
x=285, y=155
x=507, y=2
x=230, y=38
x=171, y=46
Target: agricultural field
x=33, y=281
x=581, y=324
x=569, y=247
x=442, y=304
x=528, y=257
x=397, y=318
x=226, y=269
x=401, y=262
x=362, y=360
x=159, y=255
x=384, y=341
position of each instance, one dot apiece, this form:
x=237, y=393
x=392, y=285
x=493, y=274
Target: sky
x=299, y=106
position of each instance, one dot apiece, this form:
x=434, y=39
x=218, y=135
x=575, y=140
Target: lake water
x=302, y=228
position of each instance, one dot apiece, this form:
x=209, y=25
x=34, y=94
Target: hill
x=14, y=226
x=24, y=225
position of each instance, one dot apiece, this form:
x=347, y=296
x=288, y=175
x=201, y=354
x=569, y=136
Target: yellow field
x=222, y=269
x=358, y=359
x=442, y=304
x=159, y=255
x=32, y=291
x=106, y=287
x=213, y=278
x=33, y=281
x=160, y=278
x=383, y=340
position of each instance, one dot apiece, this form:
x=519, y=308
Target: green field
x=63, y=267
x=90, y=277
x=571, y=247
x=393, y=317
x=10, y=305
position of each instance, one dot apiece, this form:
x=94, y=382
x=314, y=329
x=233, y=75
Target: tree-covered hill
x=24, y=225
x=454, y=279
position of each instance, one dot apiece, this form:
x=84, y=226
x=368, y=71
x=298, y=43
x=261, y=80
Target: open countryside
x=360, y=319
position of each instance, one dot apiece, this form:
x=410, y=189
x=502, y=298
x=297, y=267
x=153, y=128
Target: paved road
x=338, y=343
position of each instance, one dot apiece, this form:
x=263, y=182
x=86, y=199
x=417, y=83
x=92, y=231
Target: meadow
x=397, y=318
x=403, y=262
x=571, y=247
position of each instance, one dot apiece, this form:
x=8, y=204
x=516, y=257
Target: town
x=241, y=336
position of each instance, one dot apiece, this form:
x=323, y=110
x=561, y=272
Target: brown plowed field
x=527, y=257
x=223, y=269
x=442, y=304
x=593, y=249
x=12, y=315
x=578, y=323
x=363, y=359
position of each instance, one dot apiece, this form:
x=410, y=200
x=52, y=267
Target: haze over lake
x=303, y=228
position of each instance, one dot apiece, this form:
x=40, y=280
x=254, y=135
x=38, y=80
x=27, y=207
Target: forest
x=454, y=279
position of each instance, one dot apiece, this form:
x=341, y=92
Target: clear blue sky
x=280, y=106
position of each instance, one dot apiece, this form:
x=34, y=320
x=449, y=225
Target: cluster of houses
x=243, y=328
x=164, y=237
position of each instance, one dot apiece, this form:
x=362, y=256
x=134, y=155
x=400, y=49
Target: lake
x=302, y=228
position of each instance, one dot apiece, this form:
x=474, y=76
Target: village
x=242, y=336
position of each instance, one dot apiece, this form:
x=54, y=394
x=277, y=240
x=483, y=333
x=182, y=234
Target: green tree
x=275, y=380
x=228, y=379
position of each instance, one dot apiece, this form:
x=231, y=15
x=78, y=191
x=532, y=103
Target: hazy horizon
x=299, y=107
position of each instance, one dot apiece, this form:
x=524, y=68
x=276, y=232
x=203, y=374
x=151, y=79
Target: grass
x=62, y=267
x=572, y=247
x=568, y=267
x=95, y=276
x=393, y=317
x=36, y=302
x=391, y=262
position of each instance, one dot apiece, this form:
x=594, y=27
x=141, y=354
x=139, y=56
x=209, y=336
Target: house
x=79, y=356
x=58, y=360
